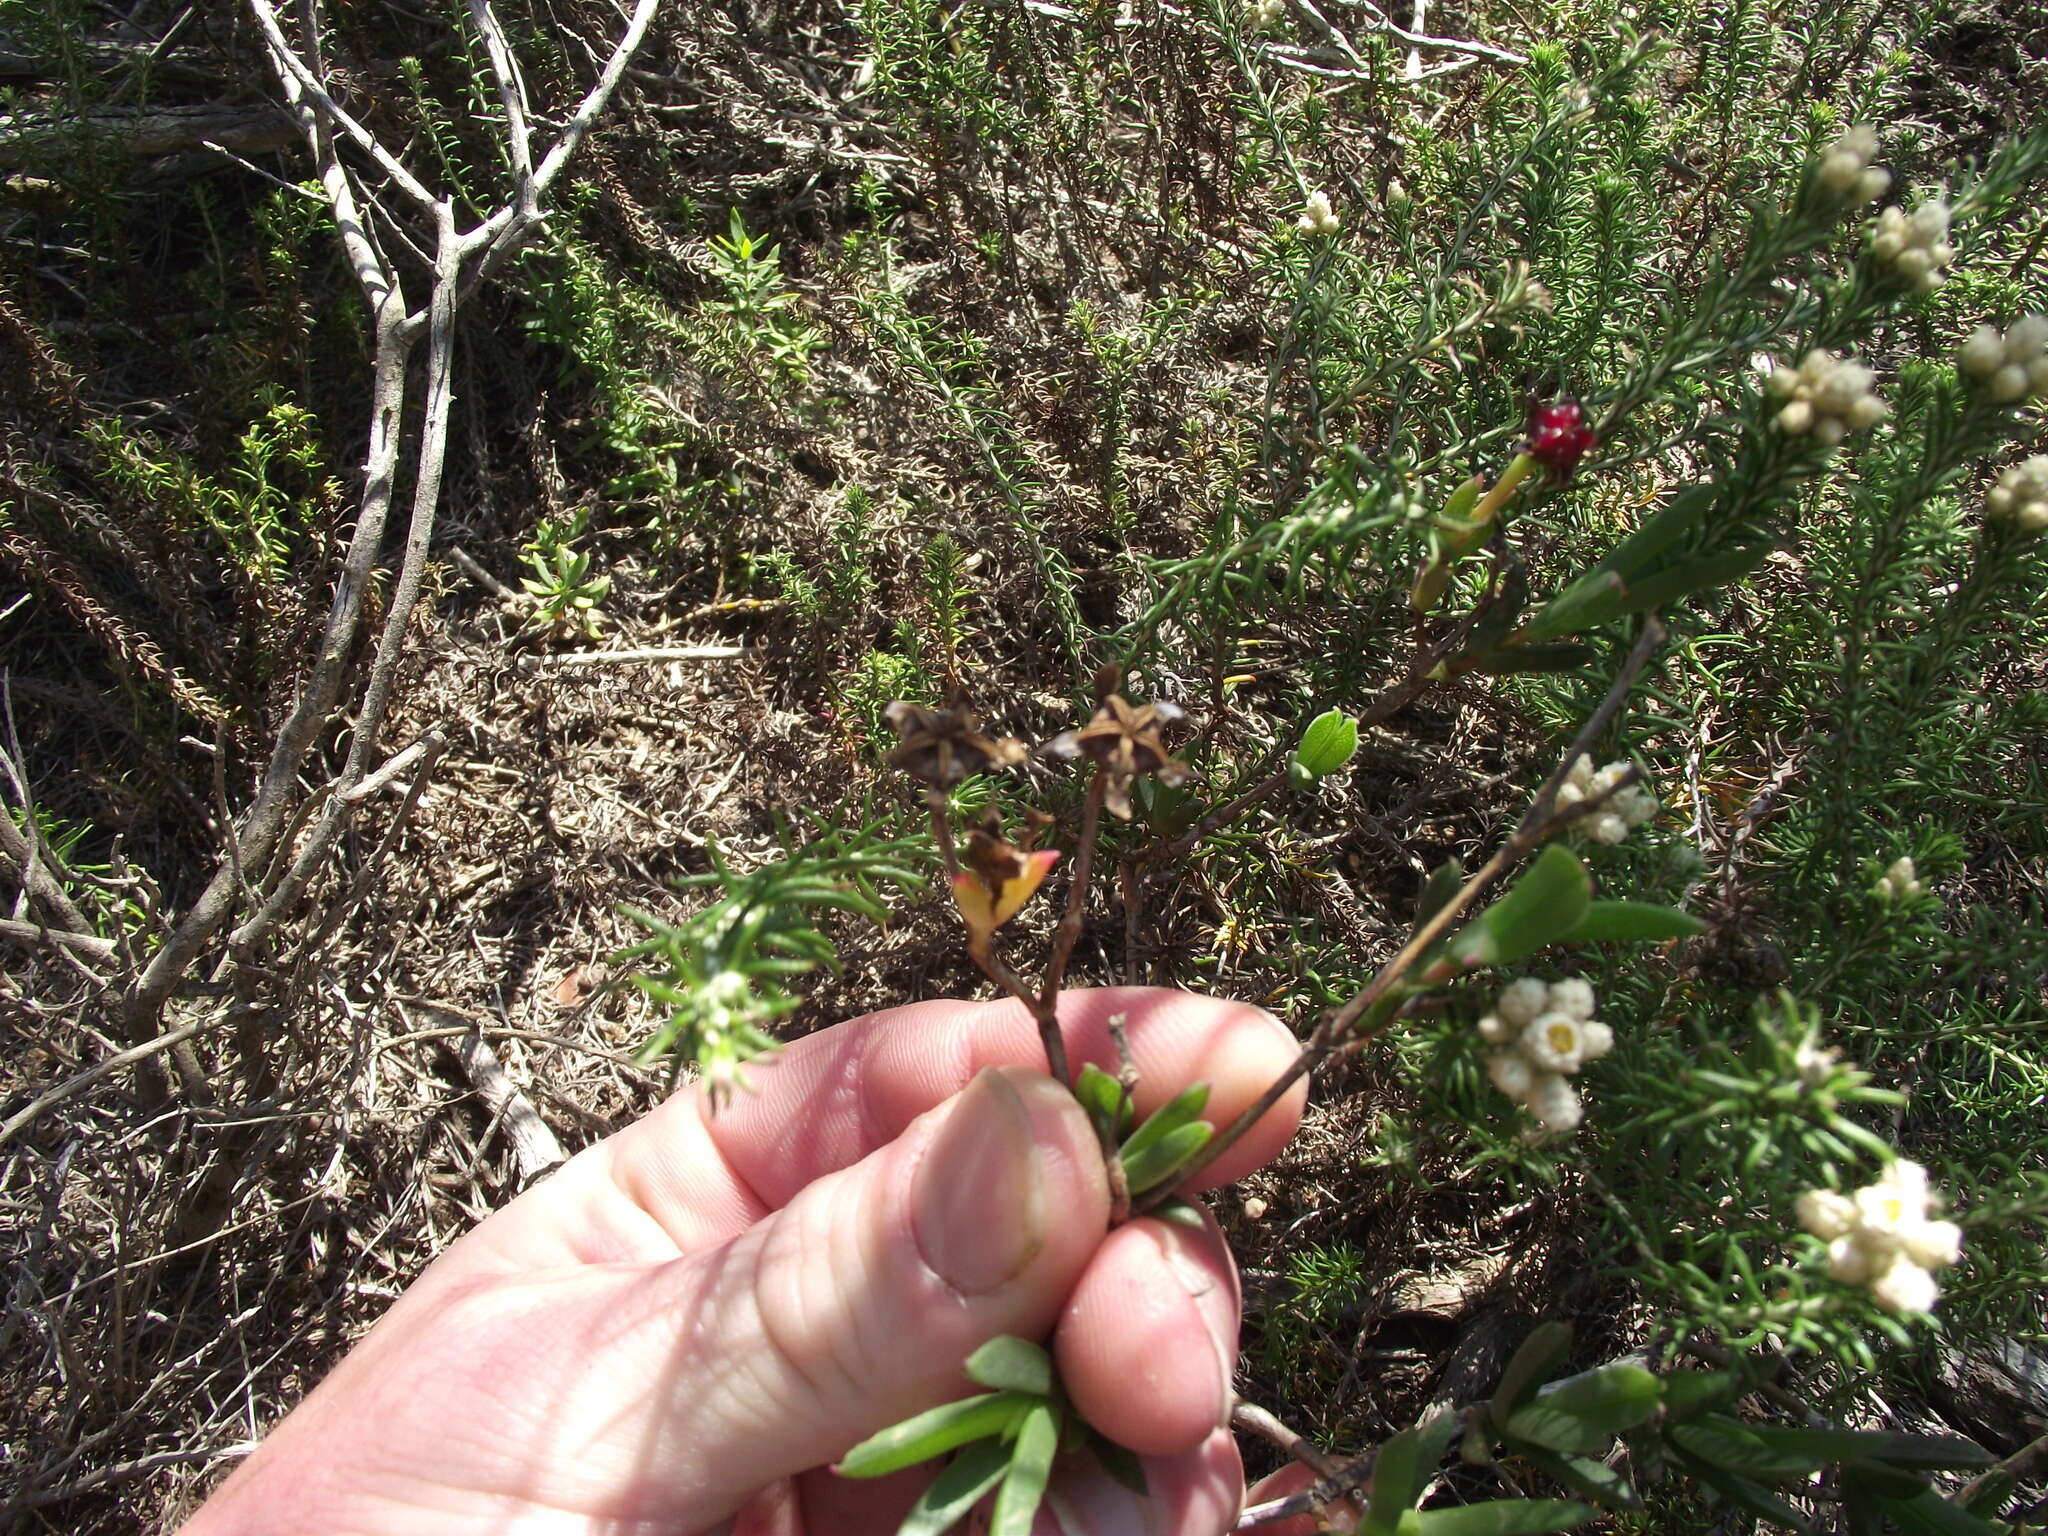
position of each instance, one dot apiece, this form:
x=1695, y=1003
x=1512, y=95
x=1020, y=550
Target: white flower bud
x=1982, y=354
x=2008, y=384
x=1847, y=1261
x=1495, y=1030
x=1826, y=1214
x=1598, y=1040
x=1318, y=216
x=2027, y=339
x=1553, y=1104
x=1904, y=1287
x=1511, y=1074
x=1933, y=1244
x=1872, y=185
x=1916, y=246
x=2020, y=496
x=1521, y=1000
x=1573, y=997
x=1829, y=396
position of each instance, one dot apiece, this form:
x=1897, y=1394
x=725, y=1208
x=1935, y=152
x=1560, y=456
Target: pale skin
x=680, y=1330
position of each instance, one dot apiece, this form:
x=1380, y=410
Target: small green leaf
x=933, y=1433
x=1104, y=1099
x=1038, y=1441
x=1546, y=1345
x=1443, y=883
x=952, y=1495
x=1182, y=1213
x=1161, y=1160
x=1632, y=922
x=1504, y=1517
x=1121, y=1464
x=1168, y=1118
x=1540, y=908
x=1007, y=1363
x=1330, y=742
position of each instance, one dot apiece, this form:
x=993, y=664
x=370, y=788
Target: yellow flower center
x=1562, y=1038
x=1894, y=1210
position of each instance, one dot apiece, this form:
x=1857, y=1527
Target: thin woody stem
x=1069, y=931
x=1418, y=677
x=1538, y=823
x=1324, y=1491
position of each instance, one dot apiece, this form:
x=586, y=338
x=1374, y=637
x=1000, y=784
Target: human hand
x=686, y=1324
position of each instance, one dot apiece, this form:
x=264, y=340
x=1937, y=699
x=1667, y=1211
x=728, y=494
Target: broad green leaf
x=1540, y=1352
x=933, y=1433
x=1735, y=1447
x=1883, y=1481
x=1017, y=1501
x=1615, y=598
x=1504, y=1517
x=1590, y=1479
x=1158, y=1162
x=1555, y=1430
x=1929, y=1514
x=968, y=1479
x=1402, y=1468
x=1898, y=1450
x=1330, y=742
x=1632, y=922
x=1609, y=1400
x=1744, y=1494
x=1540, y=908
x=1630, y=559
x=1007, y=1363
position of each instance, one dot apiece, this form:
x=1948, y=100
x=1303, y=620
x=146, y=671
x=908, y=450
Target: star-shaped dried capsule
x=1124, y=741
x=943, y=746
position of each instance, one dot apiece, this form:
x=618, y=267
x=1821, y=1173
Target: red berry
x=1558, y=435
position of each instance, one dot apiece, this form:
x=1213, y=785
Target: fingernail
x=977, y=1201
x=1218, y=1314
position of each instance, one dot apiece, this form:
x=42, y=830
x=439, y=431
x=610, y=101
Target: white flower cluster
x=1827, y=396
x=1261, y=14
x=1901, y=882
x=2021, y=495
x=1620, y=813
x=1318, y=217
x=1880, y=1237
x=1546, y=1033
x=1915, y=245
x=1845, y=169
x=2008, y=367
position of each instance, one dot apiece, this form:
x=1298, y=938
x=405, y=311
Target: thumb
x=852, y=1307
